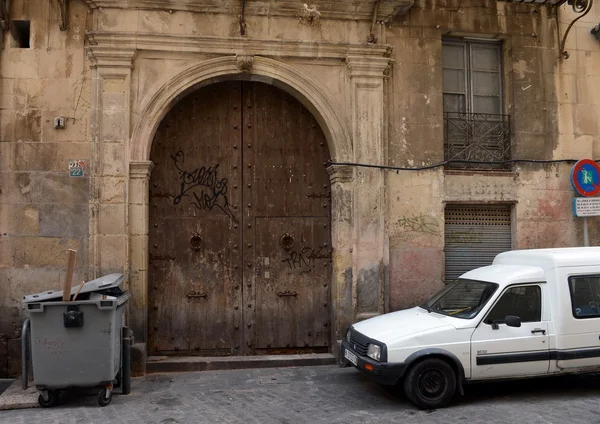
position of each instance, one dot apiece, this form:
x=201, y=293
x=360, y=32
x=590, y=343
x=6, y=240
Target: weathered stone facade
x=116, y=71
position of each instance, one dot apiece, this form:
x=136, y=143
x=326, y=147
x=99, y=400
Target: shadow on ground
x=4, y=384
x=545, y=388
x=526, y=390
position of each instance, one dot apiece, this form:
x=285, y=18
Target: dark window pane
x=454, y=103
x=453, y=81
x=524, y=302
x=486, y=83
x=585, y=296
x=484, y=104
x=463, y=299
x=453, y=56
x=484, y=58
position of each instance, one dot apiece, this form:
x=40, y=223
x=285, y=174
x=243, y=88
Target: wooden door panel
x=191, y=291
x=286, y=155
x=286, y=190
x=195, y=239
x=292, y=282
x=167, y=318
x=199, y=280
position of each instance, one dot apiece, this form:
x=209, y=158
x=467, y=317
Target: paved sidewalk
x=325, y=394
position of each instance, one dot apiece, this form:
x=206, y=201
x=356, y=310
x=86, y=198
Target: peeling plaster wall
x=218, y=25
x=577, y=83
x=537, y=86
x=416, y=232
x=43, y=211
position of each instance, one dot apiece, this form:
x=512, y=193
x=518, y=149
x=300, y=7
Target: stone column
x=342, y=310
x=110, y=132
x=139, y=178
x=370, y=258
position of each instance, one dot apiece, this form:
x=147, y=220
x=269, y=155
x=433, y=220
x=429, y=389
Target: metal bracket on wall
x=579, y=6
x=243, y=19
x=63, y=4
x=371, y=38
x=5, y=14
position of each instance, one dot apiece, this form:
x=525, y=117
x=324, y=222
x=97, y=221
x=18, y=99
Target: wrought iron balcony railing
x=476, y=140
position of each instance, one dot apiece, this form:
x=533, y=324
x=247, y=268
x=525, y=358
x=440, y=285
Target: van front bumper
x=382, y=372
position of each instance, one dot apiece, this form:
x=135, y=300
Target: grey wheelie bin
x=77, y=344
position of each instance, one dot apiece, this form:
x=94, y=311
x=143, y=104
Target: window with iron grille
x=476, y=132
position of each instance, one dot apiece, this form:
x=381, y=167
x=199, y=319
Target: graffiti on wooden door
x=303, y=259
x=208, y=190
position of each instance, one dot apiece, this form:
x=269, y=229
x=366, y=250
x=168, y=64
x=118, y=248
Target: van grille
x=358, y=342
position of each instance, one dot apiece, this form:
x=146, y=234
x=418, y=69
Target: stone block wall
x=43, y=211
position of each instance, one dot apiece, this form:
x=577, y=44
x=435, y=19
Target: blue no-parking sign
x=585, y=177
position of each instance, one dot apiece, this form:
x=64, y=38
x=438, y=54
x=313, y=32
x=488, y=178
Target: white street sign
x=586, y=206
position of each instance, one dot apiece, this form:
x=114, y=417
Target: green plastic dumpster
x=81, y=343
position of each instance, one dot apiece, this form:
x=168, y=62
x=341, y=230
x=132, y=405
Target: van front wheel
x=430, y=384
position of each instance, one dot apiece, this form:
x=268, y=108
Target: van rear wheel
x=430, y=384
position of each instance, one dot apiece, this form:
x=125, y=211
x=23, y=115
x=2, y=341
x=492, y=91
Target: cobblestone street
x=318, y=395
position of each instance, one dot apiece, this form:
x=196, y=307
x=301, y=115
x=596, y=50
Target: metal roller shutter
x=474, y=235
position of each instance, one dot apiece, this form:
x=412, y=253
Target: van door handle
x=538, y=330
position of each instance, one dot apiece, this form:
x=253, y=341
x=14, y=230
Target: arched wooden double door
x=239, y=247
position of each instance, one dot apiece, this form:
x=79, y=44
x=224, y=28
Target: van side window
x=585, y=296
x=524, y=302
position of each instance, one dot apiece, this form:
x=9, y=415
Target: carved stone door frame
x=359, y=240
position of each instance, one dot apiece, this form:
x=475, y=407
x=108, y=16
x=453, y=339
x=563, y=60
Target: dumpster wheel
x=104, y=398
x=47, y=403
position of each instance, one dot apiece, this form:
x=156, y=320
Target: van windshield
x=462, y=299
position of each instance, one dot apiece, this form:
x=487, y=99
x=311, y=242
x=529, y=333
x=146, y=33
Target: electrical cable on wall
x=449, y=162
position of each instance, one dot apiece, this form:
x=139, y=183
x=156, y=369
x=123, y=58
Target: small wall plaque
x=76, y=168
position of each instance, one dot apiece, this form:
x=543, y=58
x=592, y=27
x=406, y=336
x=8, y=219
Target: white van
x=531, y=313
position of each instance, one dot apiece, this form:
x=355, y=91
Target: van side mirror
x=512, y=321
x=509, y=320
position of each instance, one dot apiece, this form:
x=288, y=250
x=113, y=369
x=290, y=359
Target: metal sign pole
x=586, y=241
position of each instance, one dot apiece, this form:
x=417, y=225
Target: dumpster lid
x=103, y=283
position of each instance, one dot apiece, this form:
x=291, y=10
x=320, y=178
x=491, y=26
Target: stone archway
x=354, y=125
x=311, y=94
x=315, y=98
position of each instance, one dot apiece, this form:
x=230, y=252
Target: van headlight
x=348, y=336
x=374, y=352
